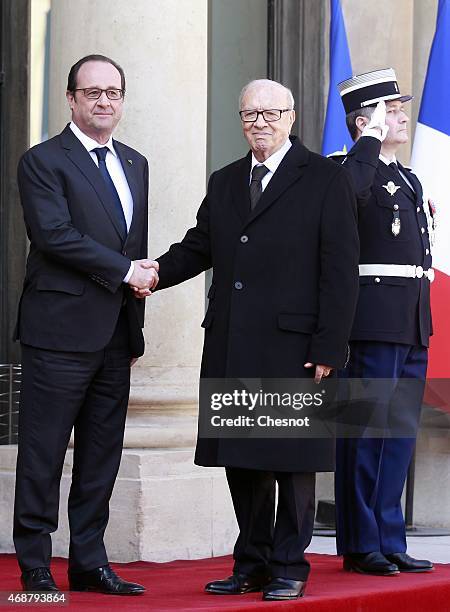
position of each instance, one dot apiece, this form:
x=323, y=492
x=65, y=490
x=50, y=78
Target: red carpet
x=178, y=586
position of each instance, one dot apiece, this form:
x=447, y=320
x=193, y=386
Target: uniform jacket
x=390, y=309
x=73, y=289
x=283, y=290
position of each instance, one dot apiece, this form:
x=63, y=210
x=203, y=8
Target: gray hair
x=365, y=111
x=267, y=82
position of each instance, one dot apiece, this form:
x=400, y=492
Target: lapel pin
x=130, y=161
x=391, y=188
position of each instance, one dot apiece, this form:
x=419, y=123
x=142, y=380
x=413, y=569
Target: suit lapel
x=84, y=162
x=290, y=170
x=130, y=170
x=390, y=175
x=412, y=178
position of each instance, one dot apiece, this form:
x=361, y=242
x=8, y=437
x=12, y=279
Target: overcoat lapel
x=290, y=170
x=240, y=188
x=84, y=162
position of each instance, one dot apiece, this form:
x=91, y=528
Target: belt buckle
x=419, y=271
x=430, y=274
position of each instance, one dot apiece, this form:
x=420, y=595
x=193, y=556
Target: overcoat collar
x=290, y=170
x=78, y=154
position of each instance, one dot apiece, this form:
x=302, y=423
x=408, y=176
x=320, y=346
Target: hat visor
x=390, y=98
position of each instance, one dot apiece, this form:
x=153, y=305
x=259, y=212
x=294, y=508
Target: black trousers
x=60, y=391
x=270, y=545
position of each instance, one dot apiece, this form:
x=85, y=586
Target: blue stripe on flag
x=435, y=105
x=335, y=135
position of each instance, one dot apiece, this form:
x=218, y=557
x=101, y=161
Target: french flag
x=431, y=162
x=335, y=133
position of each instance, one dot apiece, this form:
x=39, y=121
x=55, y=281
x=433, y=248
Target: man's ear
x=361, y=123
x=70, y=99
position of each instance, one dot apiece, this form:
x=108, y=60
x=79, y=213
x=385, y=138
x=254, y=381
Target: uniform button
x=418, y=209
x=244, y=239
x=427, y=251
x=238, y=285
x=377, y=279
x=395, y=206
x=124, y=253
x=422, y=229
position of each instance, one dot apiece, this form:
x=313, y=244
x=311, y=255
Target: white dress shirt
x=271, y=163
x=117, y=176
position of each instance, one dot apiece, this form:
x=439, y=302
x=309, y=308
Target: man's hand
x=378, y=120
x=144, y=277
x=321, y=371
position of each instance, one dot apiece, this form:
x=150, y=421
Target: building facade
x=185, y=63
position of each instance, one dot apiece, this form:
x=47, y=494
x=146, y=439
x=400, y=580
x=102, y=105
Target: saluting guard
x=391, y=328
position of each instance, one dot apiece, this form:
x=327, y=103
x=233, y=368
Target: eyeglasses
x=269, y=115
x=92, y=93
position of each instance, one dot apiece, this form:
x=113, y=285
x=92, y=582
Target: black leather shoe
x=405, y=563
x=373, y=563
x=237, y=584
x=283, y=588
x=38, y=579
x=103, y=580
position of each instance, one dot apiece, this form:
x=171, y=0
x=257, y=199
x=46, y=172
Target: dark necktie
x=400, y=178
x=101, y=156
x=258, y=173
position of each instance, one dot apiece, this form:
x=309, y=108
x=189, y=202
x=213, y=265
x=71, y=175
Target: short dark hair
x=350, y=119
x=73, y=73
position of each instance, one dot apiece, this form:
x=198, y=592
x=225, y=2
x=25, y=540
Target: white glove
x=377, y=124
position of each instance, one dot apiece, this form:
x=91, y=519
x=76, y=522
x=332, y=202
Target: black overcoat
x=284, y=288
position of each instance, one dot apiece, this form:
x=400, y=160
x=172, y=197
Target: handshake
x=144, y=278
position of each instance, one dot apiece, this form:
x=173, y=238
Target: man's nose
x=103, y=100
x=260, y=121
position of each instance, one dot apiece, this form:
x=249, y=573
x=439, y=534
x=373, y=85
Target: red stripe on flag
x=439, y=356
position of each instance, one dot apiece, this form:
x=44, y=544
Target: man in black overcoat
x=84, y=197
x=278, y=227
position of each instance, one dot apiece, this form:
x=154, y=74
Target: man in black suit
x=391, y=329
x=84, y=197
x=278, y=227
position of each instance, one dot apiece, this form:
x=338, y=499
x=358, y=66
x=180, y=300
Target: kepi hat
x=369, y=88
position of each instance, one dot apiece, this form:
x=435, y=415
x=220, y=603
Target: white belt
x=404, y=271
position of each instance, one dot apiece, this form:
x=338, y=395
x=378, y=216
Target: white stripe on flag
x=430, y=161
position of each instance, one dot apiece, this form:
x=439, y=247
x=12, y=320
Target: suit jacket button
x=244, y=239
x=238, y=285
